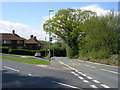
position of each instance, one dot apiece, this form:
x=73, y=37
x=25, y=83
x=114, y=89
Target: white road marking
x=64, y=84
x=110, y=71
x=84, y=74
x=79, y=72
x=89, y=77
x=85, y=81
x=96, y=81
x=30, y=74
x=93, y=86
x=105, y=86
x=74, y=73
x=92, y=67
x=87, y=65
x=80, y=77
x=12, y=69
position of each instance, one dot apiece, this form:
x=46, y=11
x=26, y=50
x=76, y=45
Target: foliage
x=4, y=49
x=26, y=52
x=101, y=38
x=67, y=25
x=56, y=49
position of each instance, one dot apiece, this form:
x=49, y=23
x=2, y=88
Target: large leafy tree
x=101, y=38
x=66, y=24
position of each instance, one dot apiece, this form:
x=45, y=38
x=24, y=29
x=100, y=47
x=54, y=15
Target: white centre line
x=64, y=84
x=89, y=77
x=12, y=69
x=105, y=86
x=93, y=86
x=85, y=81
x=79, y=72
x=84, y=74
x=74, y=73
x=80, y=77
x=96, y=81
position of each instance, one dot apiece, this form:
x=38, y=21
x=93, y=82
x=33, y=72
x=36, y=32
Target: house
x=33, y=43
x=11, y=40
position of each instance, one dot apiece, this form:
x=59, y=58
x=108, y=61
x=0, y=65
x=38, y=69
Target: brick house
x=33, y=43
x=11, y=40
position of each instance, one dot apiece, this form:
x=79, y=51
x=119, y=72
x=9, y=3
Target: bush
x=4, y=50
x=103, y=52
x=26, y=52
x=58, y=51
x=20, y=52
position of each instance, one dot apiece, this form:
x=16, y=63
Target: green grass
x=112, y=60
x=47, y=56
x=24, y=60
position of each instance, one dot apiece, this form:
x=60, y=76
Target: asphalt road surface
x=104, y=75
x=62, y=73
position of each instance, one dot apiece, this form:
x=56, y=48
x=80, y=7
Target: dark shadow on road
x=16, y=80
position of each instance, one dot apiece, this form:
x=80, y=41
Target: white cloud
x=21, y=29
x=95, y=8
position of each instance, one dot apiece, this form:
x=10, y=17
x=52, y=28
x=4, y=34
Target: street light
x=50, y=10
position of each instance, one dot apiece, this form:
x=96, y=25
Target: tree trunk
x=71, y=51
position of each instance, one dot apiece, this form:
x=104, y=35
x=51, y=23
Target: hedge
x=4, y=50
x=26, y=52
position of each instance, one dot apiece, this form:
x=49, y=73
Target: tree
x=101, y=38
x=66, y=24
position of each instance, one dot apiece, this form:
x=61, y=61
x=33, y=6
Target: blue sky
x=33, y=13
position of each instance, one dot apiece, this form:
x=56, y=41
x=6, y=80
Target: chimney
x=34, y=37
x=31, y=36
x=13, y=31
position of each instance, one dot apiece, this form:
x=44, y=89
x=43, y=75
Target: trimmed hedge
x=26, y=52
x=4, y=50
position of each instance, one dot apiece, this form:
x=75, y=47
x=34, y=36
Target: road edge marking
x=11, y=68
x=64, y=84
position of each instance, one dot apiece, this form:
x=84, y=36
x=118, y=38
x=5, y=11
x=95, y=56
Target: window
x=20, y=42
x=19, y=47
x=6, y=42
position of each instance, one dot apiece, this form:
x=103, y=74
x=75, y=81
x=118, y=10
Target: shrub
x=58, y=51
x=26, y=52
x=4, y=49
x=20, y=52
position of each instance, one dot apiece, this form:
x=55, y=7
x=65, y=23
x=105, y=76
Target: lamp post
x=49, y=34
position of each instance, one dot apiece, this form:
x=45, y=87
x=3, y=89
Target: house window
x=20, y=42
x=6, y=41
x=19, y=47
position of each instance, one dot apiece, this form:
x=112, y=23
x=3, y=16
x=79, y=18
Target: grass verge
x=112, y=60
x=24, y=60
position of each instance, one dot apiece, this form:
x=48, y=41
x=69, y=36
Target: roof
x=32, y=41
x=9, y=36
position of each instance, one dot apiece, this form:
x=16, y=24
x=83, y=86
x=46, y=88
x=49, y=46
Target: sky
x=27, y=18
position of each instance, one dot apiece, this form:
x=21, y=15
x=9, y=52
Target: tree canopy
x=66, y=24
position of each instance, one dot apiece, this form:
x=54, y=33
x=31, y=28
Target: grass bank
x=113, y=60
x=24, y=60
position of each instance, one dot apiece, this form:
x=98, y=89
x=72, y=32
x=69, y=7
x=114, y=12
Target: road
x=62, y=73
x=104, y=75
